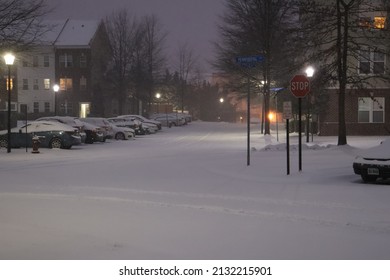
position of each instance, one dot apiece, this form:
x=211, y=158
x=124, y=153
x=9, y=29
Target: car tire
x=119, y=136
x=55, y=143
x=3, y=143
x=369, y=178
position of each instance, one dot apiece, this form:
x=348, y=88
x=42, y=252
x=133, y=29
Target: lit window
x=66, y=84
x=379, y=22
x=371, y=110
x=12, y=83
x=46, y=83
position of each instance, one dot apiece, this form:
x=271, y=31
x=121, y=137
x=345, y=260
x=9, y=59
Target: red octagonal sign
x=300, y=86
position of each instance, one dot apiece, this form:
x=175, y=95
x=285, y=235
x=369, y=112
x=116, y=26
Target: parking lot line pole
x=300, y=132
x=248, y=123
x=288, y=145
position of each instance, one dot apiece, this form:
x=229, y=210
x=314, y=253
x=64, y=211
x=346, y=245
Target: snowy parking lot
x=187, y=193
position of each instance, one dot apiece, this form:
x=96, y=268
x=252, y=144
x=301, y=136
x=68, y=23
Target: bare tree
x=265, y=28
x=21, y=23
x=123, y=31
x=338, y=40
x=187, y=64
x=154, y=53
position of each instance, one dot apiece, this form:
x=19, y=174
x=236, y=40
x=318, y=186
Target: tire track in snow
x=383, y=228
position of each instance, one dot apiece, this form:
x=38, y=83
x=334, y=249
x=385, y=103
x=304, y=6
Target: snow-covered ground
x=187, y=193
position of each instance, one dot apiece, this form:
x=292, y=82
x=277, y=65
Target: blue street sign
x=249, y=61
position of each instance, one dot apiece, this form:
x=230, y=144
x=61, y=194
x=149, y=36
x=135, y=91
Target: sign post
x=300, y=87
x=248, y=62
x=287, y=114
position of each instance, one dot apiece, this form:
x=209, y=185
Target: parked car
x=111, y=131
x=69, y=121
x=130, y=123
x=374, y=163
x=103, y=123
x=169, y=119
x=94, y=133
x=90, y=133
x=122, y=133
x=143, y=120
x=51, y=135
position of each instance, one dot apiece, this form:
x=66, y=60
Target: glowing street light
x=56, y=88
x=9, y=60
x=158, y=96
x=309, y=73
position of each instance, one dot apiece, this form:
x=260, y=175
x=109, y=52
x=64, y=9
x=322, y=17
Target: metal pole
x=276, y=118
x=288, y=145
x=300, y=132
x=55, y=103
x=9, y=110
x=248, y=124
x=308, y=119
x=26, y=129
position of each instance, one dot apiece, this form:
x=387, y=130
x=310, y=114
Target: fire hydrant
x=35, y=144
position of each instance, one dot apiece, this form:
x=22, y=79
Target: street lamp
x=158, y=96
x=56, y=88
x=9, y=60
x=221, y=100
x=309, y=73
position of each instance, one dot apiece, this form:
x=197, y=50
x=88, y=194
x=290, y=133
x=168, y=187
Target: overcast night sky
x=191, y=21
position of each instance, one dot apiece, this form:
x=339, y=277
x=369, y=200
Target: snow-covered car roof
x=73, y=121
x=381, y=151
x=37, y=126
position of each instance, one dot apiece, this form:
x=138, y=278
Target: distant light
x=9, y=58
x=309, y=71
x=158, y=95
x=271, y=116
x=56, y=88
x=221, y=100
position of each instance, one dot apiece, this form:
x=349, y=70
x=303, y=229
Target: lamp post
x=9, y=60
x=158, y=96
x=56, y=88
x=309, y=73
x=221, y=100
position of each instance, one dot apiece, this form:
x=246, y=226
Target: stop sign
x=300, y=86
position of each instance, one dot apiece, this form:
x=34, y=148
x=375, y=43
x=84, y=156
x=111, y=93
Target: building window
x=36, y=84
x=25, y=84
x=46, y=61
x=66, y=60
x=371, y=62
x=46, y=83
x=83, y=83
x=8, y=82
x=47, y=107
x=35, y=61
x=379, y=22
x=371, y=110
x=83, y=60
x=66, y=84
x=36, y=107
